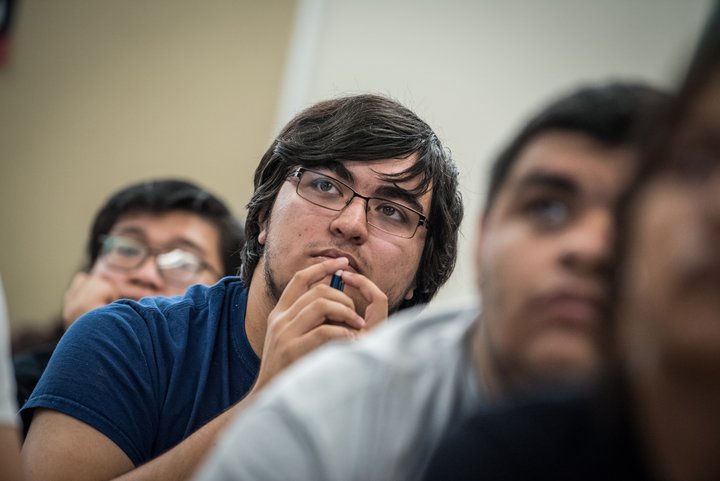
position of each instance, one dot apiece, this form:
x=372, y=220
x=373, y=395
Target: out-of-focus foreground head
x=544, y=244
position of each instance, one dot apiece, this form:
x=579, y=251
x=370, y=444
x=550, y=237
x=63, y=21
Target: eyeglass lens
x=176, y=266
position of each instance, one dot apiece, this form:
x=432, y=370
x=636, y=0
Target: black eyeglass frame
x=422, y=220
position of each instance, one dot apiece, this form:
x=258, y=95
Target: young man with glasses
x=376, y=410
x=358, y=184
x=153, y=238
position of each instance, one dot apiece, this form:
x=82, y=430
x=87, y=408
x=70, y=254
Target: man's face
x=542, y=254
x=300, y=233
x=671, y=315
x=178, y=231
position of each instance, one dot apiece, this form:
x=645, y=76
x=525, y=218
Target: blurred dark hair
x=365, y=128
x=168, y=195
x=613, y=114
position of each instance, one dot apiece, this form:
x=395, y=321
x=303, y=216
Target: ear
x=262, y=235
x=410, y=293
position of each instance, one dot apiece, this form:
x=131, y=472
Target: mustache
x=357, y=260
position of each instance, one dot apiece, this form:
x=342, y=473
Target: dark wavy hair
x=167, y=195
x=614, y=114
x=365, y=128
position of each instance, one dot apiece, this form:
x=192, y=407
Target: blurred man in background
x=153, y=238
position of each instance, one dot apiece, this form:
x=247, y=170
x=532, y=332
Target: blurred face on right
x=671, y=280
x=542, y=257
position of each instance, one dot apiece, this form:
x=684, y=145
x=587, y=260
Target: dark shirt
x=29, y=366
x=570, y=436
x=148, y=374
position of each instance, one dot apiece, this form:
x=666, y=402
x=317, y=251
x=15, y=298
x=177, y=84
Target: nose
x=587, y=246
x=147, y=276
x=351, y=222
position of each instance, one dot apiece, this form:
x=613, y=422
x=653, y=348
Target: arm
x=73, y=451
x=70, y=450
x=9, y=454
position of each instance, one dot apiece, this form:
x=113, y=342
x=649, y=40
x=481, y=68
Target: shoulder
x=160, y=313
x=197, y=297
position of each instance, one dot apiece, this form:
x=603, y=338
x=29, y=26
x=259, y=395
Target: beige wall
x=101, y=93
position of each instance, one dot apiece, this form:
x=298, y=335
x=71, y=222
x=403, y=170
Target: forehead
x=359, y=170
x=592, y=167
x=170, y=228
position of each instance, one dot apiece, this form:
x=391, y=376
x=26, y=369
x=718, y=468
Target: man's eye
x=392, y=212
x=325, y=186
x=127, y=251
x=549, y=213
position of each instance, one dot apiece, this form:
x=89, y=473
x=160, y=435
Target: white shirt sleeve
x=8, y=408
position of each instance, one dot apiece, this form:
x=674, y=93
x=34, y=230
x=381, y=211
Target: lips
x=571, y=309
x=335, y=253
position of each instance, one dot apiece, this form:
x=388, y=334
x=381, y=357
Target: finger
x=377, y=308
x=304, y=280
x=322, y=310
x=87, y=292
x=320, y=336
x=105, y=286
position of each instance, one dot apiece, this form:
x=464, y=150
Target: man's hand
x=86, y=292
x=310, y=313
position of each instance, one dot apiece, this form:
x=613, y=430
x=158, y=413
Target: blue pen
x=336, y=282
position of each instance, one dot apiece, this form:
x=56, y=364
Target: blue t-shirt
x=148, y=374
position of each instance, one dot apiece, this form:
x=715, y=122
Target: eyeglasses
x=330, y=193
x=177, y=266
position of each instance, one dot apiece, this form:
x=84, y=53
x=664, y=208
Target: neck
x=679, y=423
x=259, y=306
x=485, y=360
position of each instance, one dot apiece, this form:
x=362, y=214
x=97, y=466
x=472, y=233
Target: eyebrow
x=547, y=180
x=339, y=169
x=395, y=193
x=174, y=243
